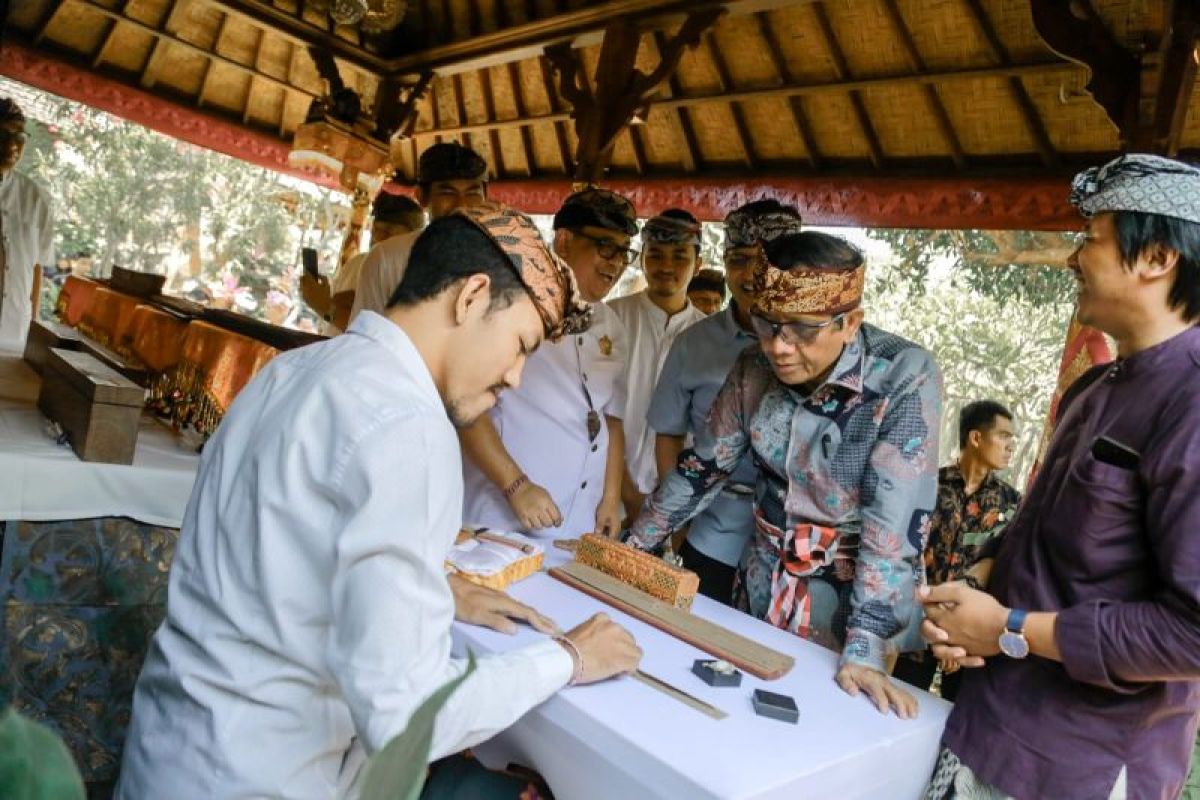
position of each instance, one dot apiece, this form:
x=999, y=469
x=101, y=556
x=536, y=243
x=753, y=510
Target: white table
x=622, y=739
x=41, y=480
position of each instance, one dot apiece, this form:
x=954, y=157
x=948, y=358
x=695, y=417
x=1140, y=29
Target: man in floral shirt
x=842, y=420
x=973, y=506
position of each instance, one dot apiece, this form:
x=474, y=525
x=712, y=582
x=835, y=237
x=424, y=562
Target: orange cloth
x=108, y=317
x=74, y=299
x=156, y=338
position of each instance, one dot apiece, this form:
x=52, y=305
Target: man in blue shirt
x=694, y=371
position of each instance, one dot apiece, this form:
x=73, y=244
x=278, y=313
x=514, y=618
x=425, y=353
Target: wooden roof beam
x=940, y=116
x=842, y=70
x=582, y=27
x=518, y=93
x=799, y=117
x=1177, y=75
x=684, y=102
x=167, y=26
x=258, y=49
x=560, y=129
x=739, y=118
x=208, y=68
x=44, y=25
x=102, y=50
x=690, y=153
x=1029, y=112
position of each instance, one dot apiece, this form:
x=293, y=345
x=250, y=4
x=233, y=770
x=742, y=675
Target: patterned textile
x=81, y=600
x=857, y=457
x=599, y=208
x=669, y=230
x=450, y=162
x=962, y=524
x=550, y=282
x=954, y=780
x=74, y=299
x=746, y=227
x=1138, y=182
x=806, y=290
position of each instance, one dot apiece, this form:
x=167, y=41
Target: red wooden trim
x=58, y=76
x=984, y=203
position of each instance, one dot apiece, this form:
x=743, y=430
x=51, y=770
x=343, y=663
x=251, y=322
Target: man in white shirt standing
x=550, y=457
x=653, y=318
x=308, y=612
x=26, y=233
x=333, y=298
x=449, y=176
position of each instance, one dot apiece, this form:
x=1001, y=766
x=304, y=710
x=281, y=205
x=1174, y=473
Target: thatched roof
x=869, y=88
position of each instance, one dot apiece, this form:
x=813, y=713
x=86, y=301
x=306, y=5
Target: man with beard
x=309, y=612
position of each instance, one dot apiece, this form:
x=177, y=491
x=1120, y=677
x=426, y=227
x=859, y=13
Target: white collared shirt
x=27, y=225
x=651, y=333
x=308, y=612
x=543, y=424
x=381, y=273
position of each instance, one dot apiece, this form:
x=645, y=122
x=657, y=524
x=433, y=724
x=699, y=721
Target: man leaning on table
x=308, y=612
x=1089, y=652
x=842, y=420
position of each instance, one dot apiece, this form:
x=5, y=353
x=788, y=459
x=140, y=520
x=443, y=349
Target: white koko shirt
x=543, y=424
x=381, y=273
x=651, y=334
x=308, y=612
x=27, y=236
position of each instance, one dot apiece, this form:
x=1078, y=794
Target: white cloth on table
x=651, y=333
x=543, y=424
x=41, y=480
x=381, y=273
x=308, y=612
x=27, y=224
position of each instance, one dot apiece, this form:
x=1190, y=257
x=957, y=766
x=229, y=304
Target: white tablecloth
x=41, y=480
x=622, y=739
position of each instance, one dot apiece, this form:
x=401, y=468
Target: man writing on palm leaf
x=842, y=419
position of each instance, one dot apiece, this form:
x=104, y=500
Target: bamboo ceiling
x=865, y=87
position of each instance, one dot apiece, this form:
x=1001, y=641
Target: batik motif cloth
x=846, y=483
x=1139, y=182
x=963, y=523
x=954, y=780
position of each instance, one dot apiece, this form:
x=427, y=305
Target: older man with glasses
x=842, y=421
x=550, y=456
x=26, y=232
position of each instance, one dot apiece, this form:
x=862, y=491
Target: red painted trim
x=58, y=76
x=984, y=203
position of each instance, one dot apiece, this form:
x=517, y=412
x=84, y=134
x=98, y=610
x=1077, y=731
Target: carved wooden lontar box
x=98, y=408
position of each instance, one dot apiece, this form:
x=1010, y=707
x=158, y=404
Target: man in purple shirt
x=1088, y=683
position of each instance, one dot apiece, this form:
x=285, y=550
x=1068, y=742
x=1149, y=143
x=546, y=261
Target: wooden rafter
x=293, y=51
x=690, y=152
x=1177, y=75
x=560, y=124
x=683, y=102
x=796, y=104
x=1029, y=112
x=460, y=106
x=435, y=110
x=113, y=24
x=489, y=111
x=917, y=64
x=842, y=70
x=518, y=93
x=150, y=68
x=44, y=25
x=745, y=139
x=208, y=67
x=258, y=48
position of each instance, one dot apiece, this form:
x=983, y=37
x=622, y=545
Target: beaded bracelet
x=511, y=489
x=576, y=658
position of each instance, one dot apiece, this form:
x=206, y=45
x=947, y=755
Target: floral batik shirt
x=847, y=478
x=963, y=524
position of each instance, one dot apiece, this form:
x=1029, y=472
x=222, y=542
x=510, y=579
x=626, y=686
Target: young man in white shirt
x=391, y=215
x=26, y=233
x=449, y=176
x=653, y=318
x=309, y=612
x=550, y=457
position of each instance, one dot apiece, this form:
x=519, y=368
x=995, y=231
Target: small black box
x=775, y=706
x=716, y=673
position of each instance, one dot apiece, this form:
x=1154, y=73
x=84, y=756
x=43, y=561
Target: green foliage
x=397, y=772
x=34, y=762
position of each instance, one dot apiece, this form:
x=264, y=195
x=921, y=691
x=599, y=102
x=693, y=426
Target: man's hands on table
x=605, y=648
x=879, y=688
x=479, y=605
x=534, y=507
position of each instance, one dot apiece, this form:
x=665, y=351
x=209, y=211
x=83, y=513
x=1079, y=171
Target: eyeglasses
x=737, y=261
x=793, y=333
x=608, y=249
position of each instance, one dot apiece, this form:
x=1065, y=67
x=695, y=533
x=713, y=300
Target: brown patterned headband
x=546, y=277
x=805, y=290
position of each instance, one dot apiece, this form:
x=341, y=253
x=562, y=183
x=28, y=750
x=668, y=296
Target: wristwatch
x=1012, y=640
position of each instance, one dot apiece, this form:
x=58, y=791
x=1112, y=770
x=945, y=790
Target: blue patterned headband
x=1137, y=182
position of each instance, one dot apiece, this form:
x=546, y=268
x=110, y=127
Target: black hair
x=979, y=416
x=813, y=250
x=1137, y=231
x=10, y=111
x=452, y=249
x=708, y=280
x=398, y=208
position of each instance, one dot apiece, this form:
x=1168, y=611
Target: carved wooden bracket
x=396, y=105
x=621, y=90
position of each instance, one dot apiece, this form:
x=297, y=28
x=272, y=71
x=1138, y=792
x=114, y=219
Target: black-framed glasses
x=608, y=249
x=738, y=261
x=793, y=333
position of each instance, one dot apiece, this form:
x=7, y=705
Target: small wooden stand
x=45, y=334
x=98, y=408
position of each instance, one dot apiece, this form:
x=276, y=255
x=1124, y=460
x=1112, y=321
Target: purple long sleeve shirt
x=1116, y=551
